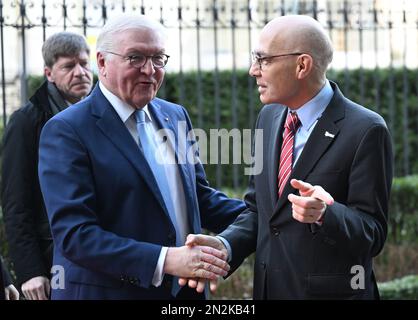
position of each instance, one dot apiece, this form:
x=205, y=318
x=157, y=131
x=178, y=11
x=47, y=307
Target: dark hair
x=63, y=44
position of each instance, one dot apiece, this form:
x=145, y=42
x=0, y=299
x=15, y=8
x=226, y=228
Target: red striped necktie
x=286, y=156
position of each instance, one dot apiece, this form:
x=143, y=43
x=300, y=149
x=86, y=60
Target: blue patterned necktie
x=150, y=149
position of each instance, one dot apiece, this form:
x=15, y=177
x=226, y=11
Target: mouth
x=146, y=83
x=81, y=84
x=261, y=87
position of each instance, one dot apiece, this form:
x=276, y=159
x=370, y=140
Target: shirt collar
x=124, y=110
x=313, y=109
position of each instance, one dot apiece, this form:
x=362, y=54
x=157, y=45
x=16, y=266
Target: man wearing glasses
x=119, y=213
x=317, y=214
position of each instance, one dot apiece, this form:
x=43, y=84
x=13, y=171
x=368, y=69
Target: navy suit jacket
x=106, y=212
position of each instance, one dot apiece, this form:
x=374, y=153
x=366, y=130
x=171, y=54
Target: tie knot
x=292, y=122
x=140, y=116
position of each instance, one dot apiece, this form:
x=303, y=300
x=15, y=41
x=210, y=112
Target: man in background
x=69, y=79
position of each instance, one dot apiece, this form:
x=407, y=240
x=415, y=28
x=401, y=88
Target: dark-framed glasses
x=139, y=60
x=265, y=60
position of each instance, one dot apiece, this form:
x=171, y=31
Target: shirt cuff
x=227, y=246
x=157, y=279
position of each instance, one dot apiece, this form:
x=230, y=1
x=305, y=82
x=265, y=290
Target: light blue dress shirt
x=309, y=115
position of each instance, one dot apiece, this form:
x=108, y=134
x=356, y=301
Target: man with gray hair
x=119, y=213
x=69, y=79
x=317, y=214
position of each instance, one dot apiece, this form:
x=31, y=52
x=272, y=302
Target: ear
x=101, y=64
x=48, y=74
x=304, y=66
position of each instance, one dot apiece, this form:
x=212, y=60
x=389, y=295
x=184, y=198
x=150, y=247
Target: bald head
x=298, y=33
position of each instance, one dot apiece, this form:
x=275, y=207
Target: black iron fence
x=215, y=35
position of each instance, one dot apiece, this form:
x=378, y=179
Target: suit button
x=329, y=241
x=263, y=264
x=275, y=231
x=122, y=278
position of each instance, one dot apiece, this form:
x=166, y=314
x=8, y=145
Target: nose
x=148, y=68
x=79, y=71
x=254, y=70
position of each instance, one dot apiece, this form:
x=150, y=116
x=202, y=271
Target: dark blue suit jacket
x=106, y=212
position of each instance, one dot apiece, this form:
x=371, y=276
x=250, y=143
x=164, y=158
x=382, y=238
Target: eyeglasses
x=139, y=60
x=263, y=61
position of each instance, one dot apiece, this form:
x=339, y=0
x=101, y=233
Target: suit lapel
x=321, y=138
x=165, y=121
x=115, y=130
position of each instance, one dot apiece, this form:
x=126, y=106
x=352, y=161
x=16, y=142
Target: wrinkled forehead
x=145, y=38
x=81, y=56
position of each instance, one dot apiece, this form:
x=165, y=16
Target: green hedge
x=247, y=106
x=403, y=211
x=405, y=288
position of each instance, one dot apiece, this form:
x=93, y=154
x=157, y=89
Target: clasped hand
x=207, y=241
x=196, y=261
x=307, y=207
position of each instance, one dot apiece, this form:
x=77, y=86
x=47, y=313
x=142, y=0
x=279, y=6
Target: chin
x=80, y=94
x=264, y=100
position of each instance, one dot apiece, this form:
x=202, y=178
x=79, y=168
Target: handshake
x=202, y=258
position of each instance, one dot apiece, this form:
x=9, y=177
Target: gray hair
x=122, y=23
x=63, y=44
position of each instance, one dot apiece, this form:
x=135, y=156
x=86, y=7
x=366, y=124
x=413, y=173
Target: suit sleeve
x=68, y=186
x=360, y=225
x=6, y=279
x=18, y=178
x=242, y=234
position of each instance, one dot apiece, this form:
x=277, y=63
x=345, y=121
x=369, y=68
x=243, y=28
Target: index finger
x=301, y=185
x=306, y=202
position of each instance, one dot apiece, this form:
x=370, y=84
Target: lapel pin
x=327, y=134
